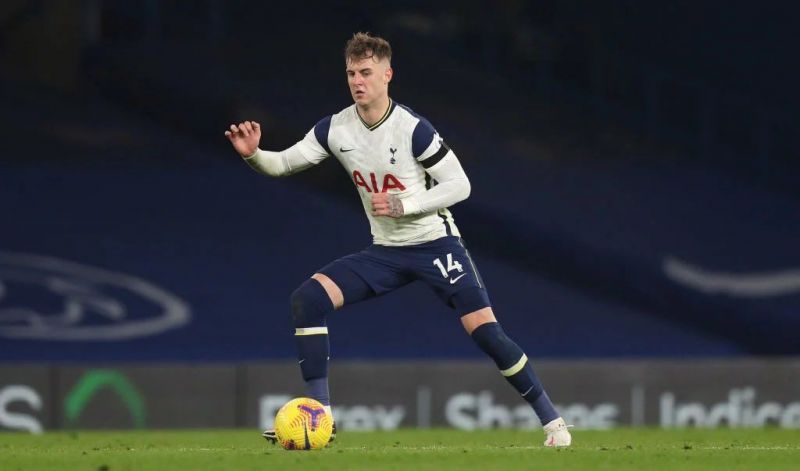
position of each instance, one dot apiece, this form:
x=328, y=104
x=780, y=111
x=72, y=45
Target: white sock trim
x=311, y=331
x=516, y=368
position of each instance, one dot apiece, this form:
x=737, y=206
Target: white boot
x=557, y=433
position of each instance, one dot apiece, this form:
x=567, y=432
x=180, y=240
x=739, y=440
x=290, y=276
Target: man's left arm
x=452, y=186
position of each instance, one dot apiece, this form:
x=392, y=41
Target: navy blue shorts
x=443, y=264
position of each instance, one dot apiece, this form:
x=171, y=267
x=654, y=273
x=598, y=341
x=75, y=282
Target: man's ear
x=387, y=76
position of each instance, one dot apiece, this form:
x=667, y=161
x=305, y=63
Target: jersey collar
x=380, y=121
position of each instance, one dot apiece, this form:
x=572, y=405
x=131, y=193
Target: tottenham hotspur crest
x=392, y=160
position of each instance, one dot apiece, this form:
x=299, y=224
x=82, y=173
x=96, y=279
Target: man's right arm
x=279, y=164
x=302, y=155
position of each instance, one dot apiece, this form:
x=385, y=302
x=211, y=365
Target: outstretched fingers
x=245, y=128
x=244, y=137
x=232, y=131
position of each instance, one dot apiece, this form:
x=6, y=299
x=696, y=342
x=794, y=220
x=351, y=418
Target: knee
x=310, y=304
x=475, y=319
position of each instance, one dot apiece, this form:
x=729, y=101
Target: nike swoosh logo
x=341, y=149
x=743, y=285
x=453, y=280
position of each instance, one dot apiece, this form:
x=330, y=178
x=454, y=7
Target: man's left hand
x=386, y=204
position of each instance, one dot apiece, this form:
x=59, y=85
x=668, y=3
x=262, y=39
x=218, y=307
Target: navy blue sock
x=514, y=365
x=310, y=306
x=318, y=389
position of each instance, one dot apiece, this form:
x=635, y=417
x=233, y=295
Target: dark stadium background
x=634, y=169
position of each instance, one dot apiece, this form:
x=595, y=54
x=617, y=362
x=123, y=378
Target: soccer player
x=407, y=177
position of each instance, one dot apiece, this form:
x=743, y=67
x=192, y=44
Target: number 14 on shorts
x=451, y=265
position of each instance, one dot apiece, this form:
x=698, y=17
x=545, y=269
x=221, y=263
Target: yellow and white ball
x=303, y=424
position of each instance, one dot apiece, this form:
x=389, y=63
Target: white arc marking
x=85, y=289
x=744, y=285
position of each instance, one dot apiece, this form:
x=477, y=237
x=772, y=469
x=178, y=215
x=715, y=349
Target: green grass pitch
x=651, y=449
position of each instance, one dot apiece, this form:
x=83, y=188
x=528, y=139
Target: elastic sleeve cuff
x=258, y=150
x=411, y=206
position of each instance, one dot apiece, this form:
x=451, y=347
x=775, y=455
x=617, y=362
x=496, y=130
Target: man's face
x=368, y=79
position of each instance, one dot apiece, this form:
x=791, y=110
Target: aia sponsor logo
x=389, y=182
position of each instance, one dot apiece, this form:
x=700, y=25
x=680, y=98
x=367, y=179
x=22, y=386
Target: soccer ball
x=303, y=424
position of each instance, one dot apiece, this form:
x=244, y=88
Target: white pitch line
x=748, y=448
x=442, y=448
x=539, y=447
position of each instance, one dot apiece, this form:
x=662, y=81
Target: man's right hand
x=245, y=137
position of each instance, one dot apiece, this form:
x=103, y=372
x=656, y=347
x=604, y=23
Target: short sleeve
x=428, y=148
x=314, y=145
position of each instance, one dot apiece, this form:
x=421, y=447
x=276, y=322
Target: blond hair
x=363, y=46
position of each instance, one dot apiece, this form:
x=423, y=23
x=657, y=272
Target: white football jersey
x=389, y=156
